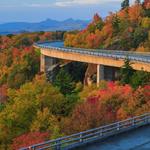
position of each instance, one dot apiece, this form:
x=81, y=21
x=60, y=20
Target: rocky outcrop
x=91, y=70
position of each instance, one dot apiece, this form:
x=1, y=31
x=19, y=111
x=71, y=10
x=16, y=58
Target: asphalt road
x=138, y=139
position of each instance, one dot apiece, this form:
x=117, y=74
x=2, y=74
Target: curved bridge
x=113, y=58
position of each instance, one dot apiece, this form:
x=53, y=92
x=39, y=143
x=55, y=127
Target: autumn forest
x=33, y=109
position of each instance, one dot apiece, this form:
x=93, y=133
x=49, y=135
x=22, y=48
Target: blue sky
x=38, y=10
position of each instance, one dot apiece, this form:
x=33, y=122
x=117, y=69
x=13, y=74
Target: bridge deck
x=138, y=139
x=136, y=56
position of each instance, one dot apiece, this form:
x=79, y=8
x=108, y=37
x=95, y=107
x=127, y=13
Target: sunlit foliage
x=126, y=29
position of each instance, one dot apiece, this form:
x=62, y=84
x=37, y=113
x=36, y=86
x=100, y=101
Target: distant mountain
x=47, y=25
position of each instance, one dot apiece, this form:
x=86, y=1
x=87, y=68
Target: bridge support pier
x=100, y=73
x=42, y=63
x=49, y=67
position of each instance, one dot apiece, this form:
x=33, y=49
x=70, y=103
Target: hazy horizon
x=39, y=10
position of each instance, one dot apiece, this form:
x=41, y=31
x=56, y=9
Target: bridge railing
x=135, y=56
x=91, y=135
x=42, y=44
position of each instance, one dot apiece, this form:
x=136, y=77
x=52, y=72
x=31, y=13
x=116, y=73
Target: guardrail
x=91, y=135
x=134, y=56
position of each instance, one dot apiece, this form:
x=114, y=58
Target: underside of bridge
x=94, y=73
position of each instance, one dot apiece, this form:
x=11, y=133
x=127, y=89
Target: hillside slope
x=127, y=29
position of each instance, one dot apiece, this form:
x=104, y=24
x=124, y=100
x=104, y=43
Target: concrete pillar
x=100, y=73
x=42, y=63
x=46, y=63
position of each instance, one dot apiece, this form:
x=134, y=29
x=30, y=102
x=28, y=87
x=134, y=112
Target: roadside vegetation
x=33, y=110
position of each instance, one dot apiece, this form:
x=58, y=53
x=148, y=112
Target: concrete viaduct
x=112, y=58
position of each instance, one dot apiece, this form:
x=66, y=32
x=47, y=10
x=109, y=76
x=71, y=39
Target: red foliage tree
x=147, y=4
x=86, y=116
x=147, y=91
x=29, y=139
x=91, y=40
x=100, y=109
x=3, y=94
x=16, y=52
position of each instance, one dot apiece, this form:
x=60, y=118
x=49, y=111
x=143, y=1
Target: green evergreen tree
x=137, y=1
x=139, y=35
x=125, y=4
x=115, y=24
x=140, y=78
x=126, y=72
x=64, y=82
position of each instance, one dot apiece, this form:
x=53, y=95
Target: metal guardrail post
x=58, y=146
x=118, y=126
x=81, y=140
x=101, y=132
x=133, y=121
x=31, y=148
x=147, y=119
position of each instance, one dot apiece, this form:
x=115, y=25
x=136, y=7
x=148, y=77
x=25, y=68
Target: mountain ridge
x=46, y=25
